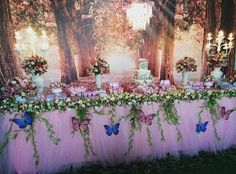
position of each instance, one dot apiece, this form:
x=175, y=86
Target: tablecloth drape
x=17, y=157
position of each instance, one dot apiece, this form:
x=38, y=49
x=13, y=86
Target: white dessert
x=143, y=74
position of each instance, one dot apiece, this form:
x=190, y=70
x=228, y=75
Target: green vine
x=149, y=137
x=112, y=113
x=133, y=115
x=159, y=126
x=50, y=130
x=82, y=114
x=87, y=143
x=171, y=115
x=30, y=135
x=8, y=137
x=213, y=107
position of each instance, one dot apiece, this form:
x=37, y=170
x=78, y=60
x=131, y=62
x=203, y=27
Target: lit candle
x=230, y=37
x=209, y=38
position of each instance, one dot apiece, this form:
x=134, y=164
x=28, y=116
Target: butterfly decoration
x=23, y=122
x=225, y=114
x=80, y=125
x=201, y=127
x=112, y=129
x=146, y=119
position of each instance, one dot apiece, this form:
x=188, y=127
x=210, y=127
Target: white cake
x=143, y=74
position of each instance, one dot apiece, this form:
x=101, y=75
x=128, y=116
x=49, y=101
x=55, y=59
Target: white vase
x=217, y=74
x=185, y=76
x=98, y=81
x=38, y=82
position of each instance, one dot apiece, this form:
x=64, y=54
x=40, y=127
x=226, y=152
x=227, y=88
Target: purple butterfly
x=77, y=125
x=112, y=129
x=201, y=127
x=146, y=119
x=225, y=114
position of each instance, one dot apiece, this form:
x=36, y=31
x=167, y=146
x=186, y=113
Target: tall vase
x=217, y=74
x=39, y=83
x=185, y=76
x=98, y=81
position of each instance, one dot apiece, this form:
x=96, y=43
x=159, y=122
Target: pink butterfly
x=225, y=114
x=77, y=125
x=146, y=119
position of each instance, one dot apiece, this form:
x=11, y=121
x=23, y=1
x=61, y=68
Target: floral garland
x=121, y=99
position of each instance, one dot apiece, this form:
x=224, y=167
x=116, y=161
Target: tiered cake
x=143, y=74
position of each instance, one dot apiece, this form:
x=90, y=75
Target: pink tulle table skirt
x=18, y=155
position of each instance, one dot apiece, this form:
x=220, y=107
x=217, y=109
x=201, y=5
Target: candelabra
x=29, y=43
x=221, y=44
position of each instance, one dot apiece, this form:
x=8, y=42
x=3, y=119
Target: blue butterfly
x=26, y=120
x=201, y=127
x=112, y=129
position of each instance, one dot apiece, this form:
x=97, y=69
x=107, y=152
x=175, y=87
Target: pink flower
x=30, y=10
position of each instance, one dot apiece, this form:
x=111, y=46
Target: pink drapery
x=17, y=156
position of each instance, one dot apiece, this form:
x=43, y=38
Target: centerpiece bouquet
x=185, y=65
x=35, y=65
x=97, y=68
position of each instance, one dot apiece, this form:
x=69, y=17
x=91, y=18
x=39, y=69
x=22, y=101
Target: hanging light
x=139, y=15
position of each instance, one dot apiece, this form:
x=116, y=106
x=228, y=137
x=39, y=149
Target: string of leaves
x=133, y=116
x=213, y=107
x=112, y=113
x=159, y=126
x=82, y=114
x=30, y=135
x=50, y=130
x=7, y=138
x=170, y=115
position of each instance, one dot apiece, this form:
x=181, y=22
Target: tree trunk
x=83, y=32
x=64, y=33
x=211, y=26
x=9, y=63
x=167, y=63
x=152, y=42
x=227, y=25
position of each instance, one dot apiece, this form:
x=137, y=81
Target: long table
x=110, y=150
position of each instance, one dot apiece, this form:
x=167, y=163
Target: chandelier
x=139, y=15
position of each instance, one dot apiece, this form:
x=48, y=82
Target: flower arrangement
x=217, y=60
x=35, y=65
x=208, y=78
x=18, y=87
x=186, y=64
x=57, y=85
x=99, y=66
